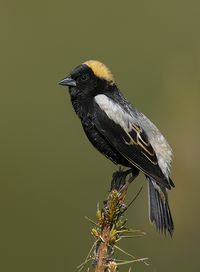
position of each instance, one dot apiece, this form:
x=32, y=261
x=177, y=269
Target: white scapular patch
x=126, y=118
x=114, y=111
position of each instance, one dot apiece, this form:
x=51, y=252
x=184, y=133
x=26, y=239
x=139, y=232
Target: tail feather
x=159, y=211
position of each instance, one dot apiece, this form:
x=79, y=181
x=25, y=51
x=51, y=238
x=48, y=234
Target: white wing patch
x=114, y=111
x=126, y=119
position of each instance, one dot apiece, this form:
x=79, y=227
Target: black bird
x=123, y=134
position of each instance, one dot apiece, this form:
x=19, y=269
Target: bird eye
x=84, y=77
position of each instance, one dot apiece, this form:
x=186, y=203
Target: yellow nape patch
x=100, y=70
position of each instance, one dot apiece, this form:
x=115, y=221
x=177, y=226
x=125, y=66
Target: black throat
x=83, y=105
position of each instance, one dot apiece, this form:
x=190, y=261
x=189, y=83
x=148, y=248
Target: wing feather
x=128, y=138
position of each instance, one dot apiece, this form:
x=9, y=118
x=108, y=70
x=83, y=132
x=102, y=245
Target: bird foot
x=122, y=178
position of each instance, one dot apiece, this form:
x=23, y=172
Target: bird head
x=91, y=77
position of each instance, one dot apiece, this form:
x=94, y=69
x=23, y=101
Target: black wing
x=132, y=143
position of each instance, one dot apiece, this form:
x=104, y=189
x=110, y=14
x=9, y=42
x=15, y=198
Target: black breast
x=102, y=145
x=85, y=111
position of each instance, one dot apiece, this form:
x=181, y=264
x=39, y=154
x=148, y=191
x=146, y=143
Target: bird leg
x=119, y=178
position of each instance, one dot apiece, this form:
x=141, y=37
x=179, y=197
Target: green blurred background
x=51, y=177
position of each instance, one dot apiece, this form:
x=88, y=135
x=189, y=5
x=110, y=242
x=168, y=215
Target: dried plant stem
x=103, y=250
x=111, y=223
x=111, y=227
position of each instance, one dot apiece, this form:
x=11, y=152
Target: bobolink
x=123, y=134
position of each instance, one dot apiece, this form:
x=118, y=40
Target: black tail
x=159, y=211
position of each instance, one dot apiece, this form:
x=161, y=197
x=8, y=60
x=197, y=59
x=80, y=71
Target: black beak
x=68, y=81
